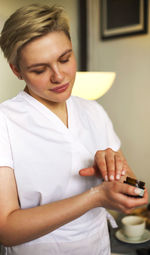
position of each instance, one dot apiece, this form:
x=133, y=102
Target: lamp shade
x=92, y=85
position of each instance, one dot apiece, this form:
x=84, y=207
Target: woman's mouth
x=60, y=89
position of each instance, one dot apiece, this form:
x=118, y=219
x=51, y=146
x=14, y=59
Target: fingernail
x=118, y=176
x=123, y=172
x=137, y=191
x=106, y=178
x=111, y=177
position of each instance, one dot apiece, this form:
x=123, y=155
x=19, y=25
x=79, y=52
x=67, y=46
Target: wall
x=10, y=85
x=128, y=101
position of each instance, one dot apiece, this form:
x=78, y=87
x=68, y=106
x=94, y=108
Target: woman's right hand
x=113, y=195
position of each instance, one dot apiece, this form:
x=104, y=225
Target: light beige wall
x=128, y=101
x=9, y=84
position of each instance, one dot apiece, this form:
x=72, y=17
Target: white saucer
x=144, y=238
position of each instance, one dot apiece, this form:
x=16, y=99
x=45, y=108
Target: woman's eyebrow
x=44, y=64
x=36, y=65
x=67, y=51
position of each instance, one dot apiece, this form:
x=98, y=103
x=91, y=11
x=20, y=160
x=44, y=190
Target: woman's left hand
x=109, y=165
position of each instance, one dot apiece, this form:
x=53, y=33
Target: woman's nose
x=57, y=75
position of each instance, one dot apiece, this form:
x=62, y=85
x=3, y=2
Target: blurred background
x=128, y=101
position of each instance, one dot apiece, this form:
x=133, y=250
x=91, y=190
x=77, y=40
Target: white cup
x=133, y=227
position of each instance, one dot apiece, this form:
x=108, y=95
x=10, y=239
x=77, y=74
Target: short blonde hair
x=30, y=22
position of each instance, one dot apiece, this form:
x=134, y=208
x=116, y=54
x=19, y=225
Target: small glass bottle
x=136, y=183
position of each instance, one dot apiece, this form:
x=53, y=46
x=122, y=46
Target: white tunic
x=46, y=157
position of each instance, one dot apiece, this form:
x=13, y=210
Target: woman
x=49, y=144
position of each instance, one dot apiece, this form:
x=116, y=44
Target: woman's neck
x=59, y=109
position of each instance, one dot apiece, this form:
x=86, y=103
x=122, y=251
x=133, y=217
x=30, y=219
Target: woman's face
x=48, y=66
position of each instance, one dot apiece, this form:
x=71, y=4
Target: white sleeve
x=5, y=147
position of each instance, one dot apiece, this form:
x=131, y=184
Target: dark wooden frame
x=83, y=47
x=129, y=30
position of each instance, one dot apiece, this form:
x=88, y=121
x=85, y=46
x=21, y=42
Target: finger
x=100, y=164
x=87, y=171
x=126, y=189
x=134, y=193
x=118, y=166
x=124, y=168
x=110, y=161
x=132, y=203
x=128, y=203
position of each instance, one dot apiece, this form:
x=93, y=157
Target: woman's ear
x=15, y=71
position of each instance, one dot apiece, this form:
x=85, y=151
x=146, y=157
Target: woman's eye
x=38, y=71
x=64, y=60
